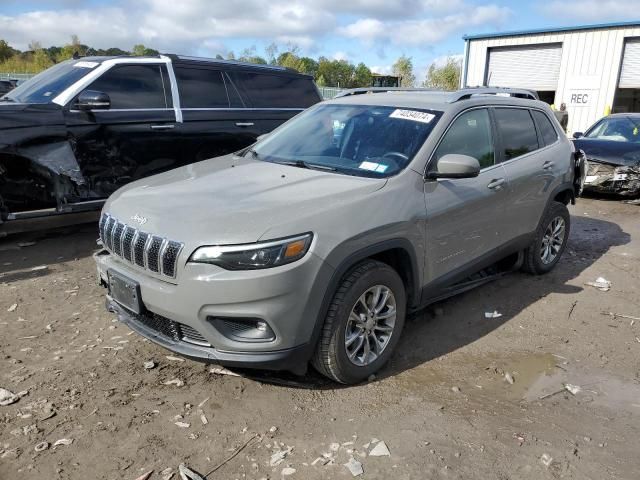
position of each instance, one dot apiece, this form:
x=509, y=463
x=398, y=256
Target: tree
x=6, y=51
x=249, y=55
x=141, y=51
x=272, y=53
x=69, y=50
x=336, y=73
x=446, y=77
x=404, y=69
x=321, y=82
x=362, y=76
x=309, y=66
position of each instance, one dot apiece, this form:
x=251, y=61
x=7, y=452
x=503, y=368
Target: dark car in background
x=74, y=134
x=612, y=148
x=7, y=85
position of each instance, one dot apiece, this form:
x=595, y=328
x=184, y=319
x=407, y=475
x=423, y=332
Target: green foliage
x=403, y=68
x=142, y=51
x=446, y=77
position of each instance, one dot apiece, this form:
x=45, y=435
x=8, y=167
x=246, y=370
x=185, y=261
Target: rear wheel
x=550, y=240
x=363, y=323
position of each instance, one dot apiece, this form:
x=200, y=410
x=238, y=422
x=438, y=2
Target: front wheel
x=363, y=324
x=550, y=240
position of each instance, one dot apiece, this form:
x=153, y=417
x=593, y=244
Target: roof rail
x=230, y=62
x=361, y=90
x=467, y=93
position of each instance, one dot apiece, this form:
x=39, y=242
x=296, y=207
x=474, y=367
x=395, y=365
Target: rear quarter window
x=548, y=133
x=276, y=91
x=517, y=132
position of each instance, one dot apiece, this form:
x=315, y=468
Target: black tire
x=330, y=357
x=533, y=258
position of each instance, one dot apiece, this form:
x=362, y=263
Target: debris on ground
x=176, y=381
x=12, y=308
x=320, y=460
x=546, y=459
x=334, y=447
x=203, y=419
x=187, y=474
x=494, y=314
x=7, y=397
x=174, y=359
x=39, y=267
x=509, y=378
x=455, y=389
x=601, y=284
x=41, y=447
x=620, y=315
x=380, y=450
x=145, y=476
x=167, y=473
x=149, y=365
x=183, y=424
x=288, y=471
x=273, y=429
x=223, y=371
x=63, y=441
x=278, y=457
x=354, y=466
x=573, y=389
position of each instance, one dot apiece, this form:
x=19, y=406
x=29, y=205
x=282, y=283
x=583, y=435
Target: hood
x=230, y=199
x=608, y=151
x=19, y=115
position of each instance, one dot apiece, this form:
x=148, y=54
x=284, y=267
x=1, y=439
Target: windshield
x=362, y=140
x=45, y=86
x=617, y=129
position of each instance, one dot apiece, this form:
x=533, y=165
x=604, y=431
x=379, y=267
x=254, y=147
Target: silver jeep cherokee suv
x=315, y=242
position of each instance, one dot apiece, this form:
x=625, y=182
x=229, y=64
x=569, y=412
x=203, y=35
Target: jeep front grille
x=151, y=252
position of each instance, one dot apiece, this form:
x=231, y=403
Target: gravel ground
x=465, y=396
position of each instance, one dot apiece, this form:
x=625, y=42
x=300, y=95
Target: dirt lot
x=443, y=406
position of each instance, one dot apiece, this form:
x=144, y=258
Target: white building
x=594, y=69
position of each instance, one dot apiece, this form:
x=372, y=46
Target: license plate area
x=125, y=291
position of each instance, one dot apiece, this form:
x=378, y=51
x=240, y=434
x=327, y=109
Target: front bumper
x=288, y=298
x=613, y=179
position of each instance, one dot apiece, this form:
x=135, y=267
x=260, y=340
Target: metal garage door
x=630, y=74
x=533, y=67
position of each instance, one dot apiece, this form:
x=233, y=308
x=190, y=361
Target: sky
x=375, y=32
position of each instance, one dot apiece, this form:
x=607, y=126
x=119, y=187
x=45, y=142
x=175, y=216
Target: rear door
x=132, y=139
x=528, y=154
x=215, y=120
x=465, y=216
x=273, y=97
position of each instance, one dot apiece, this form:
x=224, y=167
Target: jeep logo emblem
x=139, y=219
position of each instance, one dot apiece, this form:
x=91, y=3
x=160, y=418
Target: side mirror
x=454, y=165
x=93, y=100
x=578, y=134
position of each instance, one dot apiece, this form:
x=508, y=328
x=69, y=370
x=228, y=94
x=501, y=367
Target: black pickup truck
x=75, y=133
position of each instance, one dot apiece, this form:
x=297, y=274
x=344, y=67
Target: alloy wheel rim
x=370, y=325
x=552, y=240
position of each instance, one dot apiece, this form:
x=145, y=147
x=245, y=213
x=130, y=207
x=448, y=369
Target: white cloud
x=427, y=30
x=589, y=10
x=341, y=56
x=382, y=69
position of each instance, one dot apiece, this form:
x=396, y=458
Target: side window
x=201, y=88
x=470, y=134
x=133, y=86
x=549, y=134
x=277, y=91
x=517, y=132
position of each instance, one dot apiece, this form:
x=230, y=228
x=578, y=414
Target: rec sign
x=582, y=98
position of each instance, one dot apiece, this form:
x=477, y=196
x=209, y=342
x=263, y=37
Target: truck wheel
x=363, y=323
x=549, y=242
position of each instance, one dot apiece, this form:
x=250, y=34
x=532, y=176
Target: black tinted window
x=201, y=88
x=277, y=91
x=133, y=86
x=470, y=134
x=549, y=134
x=517, y=131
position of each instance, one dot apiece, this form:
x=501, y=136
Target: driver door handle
x=167, y=126
x=496, y=184
x=547, y=165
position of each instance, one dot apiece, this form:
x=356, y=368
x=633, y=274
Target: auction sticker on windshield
x=416, y=116
x=85, y=64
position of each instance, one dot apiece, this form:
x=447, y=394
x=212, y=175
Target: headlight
x=255, y=255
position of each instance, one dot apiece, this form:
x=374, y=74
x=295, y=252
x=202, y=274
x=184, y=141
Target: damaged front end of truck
x=41, y=183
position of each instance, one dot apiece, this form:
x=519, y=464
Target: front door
x=132, y=139
x=464, y=216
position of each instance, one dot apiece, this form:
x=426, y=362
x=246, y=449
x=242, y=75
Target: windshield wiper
x=310, y=166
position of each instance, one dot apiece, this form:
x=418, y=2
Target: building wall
x=591, y=61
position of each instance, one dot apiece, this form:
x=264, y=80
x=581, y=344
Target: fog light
x=243, y=329
x=261, y=326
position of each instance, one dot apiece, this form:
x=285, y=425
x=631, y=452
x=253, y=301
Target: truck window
x=276, y=91
x=133, y=87
x=201, y=88
x=470, y=134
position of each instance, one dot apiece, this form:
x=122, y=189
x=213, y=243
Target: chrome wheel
x=370, y=325
x=552, y=240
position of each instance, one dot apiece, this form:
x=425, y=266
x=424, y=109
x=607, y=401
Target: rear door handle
x=547, y=165
x=244, y=124
x=496, y=184
x=162, y=127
